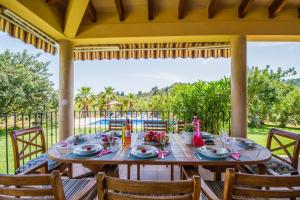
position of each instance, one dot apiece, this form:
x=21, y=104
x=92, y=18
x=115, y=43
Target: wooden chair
x=277, y=164
x=153, y=125
x=119, y=189
x=29, y=143
x=49, y=186
x=180, y=126
x=250, y=186
x=117, y=125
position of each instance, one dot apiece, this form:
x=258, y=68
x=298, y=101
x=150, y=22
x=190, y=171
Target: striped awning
x=18, y=28
x=153, y=50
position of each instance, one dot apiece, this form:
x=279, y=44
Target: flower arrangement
x=156, y=136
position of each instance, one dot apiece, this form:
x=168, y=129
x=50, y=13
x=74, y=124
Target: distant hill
x=295, y=81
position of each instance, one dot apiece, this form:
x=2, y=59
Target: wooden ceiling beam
x=120, y=9
x=181, y=8
x=245, y=7
x=150, y=9
x=73, y=17
x=92, y=12
x=276, y=7
x=299, y=12
x=212, y=8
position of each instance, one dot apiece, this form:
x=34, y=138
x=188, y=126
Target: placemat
x=195, y=150
x=108, y=156
x=128, y=156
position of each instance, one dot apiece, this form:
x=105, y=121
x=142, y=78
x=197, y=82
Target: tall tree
x=84, y=99
x=25, y=85
x=109, y=94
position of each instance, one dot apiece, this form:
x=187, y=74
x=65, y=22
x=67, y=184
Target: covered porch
x=98, y=30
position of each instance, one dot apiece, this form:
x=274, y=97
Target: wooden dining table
x=181, y=154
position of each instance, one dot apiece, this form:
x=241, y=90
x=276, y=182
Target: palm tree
x=131, y=99
x=109, y=94
x=84, y=99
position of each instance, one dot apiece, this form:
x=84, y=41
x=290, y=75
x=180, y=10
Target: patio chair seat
x=276, y=165
x=74, y=186
x=52, y=164
x=217, y=187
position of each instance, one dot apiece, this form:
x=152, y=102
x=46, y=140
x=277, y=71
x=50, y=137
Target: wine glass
x=111, y=139
x=162, y=147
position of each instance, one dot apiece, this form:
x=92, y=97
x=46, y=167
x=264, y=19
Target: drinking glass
x=111, y=140
x=162, y=147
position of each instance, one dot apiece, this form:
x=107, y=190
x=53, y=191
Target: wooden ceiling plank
x=212, y=8
x=245, y=7
x=74, y=14
x=150, y=9
x=181, y=8
x=120, y=9
x=92, y=12
x=276, y=7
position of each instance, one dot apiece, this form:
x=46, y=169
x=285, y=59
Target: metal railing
x=89, y=122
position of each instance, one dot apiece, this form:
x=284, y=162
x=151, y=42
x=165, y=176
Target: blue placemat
x=108, y=156
x=195, y=150
x=128, y=156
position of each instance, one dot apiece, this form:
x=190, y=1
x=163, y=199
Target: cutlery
x=197, y=155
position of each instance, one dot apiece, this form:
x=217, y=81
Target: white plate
x=214, y=152
x=82, y=149
x=151, y=151
x=245, y=142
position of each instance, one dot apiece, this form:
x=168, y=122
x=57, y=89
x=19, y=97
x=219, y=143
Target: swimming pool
x=135, y=122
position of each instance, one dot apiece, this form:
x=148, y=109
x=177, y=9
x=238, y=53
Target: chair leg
x=172, y=172
x=181, y=173
x=128, y=171
x=218, y=176
x=138, y=172
x=70, y=170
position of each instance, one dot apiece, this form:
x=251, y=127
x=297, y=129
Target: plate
x=206, y=135
x=245, y=143
x=214, y=152
x=87, y=149
x=138, y=152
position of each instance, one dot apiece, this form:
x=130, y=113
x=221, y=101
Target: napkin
x=166, y=153
x=63, y=144
x=103, y=152
x=235, y=156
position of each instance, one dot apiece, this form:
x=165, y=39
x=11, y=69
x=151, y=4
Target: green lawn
x=259, y=135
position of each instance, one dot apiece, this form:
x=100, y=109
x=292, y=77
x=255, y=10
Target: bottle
x=127, y=132
x=197, y=140
x=123, y=134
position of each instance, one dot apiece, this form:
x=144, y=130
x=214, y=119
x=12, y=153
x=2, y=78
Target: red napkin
x=166, y=153
x=235, y=156
x=103, y=152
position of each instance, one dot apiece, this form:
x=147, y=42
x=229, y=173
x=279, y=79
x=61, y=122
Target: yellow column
x=239, y=91
x=66, y=89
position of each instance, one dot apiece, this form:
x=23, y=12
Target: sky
x=142, y=75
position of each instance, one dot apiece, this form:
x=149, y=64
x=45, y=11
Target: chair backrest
x=180, y=126
x=117, y=125
x=27, y=143
x=48, y=185
x=153, y=125
x=291, y=148
x=243, y=186
x=110, y=188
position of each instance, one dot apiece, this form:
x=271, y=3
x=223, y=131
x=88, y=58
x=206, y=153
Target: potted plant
x=188, y=133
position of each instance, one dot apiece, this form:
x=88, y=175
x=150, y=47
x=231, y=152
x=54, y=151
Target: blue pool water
x=135, y=122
